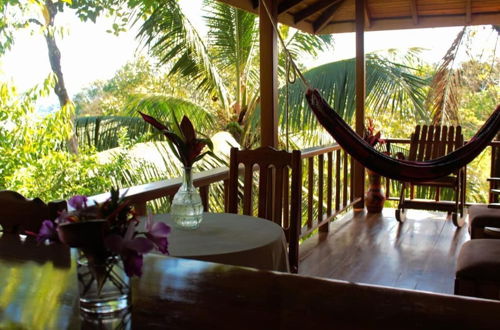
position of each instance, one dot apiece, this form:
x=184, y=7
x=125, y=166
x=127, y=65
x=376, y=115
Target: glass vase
x=103, y=285
x=187, y=209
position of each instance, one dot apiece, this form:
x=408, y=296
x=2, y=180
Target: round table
x=232, y=239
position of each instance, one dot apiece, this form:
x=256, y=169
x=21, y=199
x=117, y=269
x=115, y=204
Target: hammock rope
x=379, y=162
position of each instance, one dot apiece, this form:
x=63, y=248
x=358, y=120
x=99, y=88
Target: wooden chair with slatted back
x=279, y=190
x=430, y=142
x=18, y=214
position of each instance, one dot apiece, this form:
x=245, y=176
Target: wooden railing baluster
x=337, y=180
x=321, y=165
x=310, y=193
x=329, y=184
x=345, y=180
x=204, y=197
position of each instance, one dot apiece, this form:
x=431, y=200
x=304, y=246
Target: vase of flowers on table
x=374, y=198
x=111, y=248
x=186, y=208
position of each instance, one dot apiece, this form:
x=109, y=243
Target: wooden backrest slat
x=444, y=141
x=451, y=138
x=247, y=190
x=277, y=205
x=421, y=144
x=263, y=190
x=414, y=143
x=286, y=197
x=436, y=141
x=429, y=142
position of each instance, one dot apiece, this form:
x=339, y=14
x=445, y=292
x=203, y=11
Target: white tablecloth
x=231, y=239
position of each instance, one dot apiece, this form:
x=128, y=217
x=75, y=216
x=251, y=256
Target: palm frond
x=102, y=132
x=165, y=108
x=443, y=98
x=389, y=87
x=172, y=37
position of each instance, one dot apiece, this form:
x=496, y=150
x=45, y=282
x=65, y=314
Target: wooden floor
x=419, y=254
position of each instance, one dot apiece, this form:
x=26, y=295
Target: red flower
x=370, y=136
x=182, y=138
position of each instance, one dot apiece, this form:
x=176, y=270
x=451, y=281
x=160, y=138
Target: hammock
x=399, y=169
x=379, y=162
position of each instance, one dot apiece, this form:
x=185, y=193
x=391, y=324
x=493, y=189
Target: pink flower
x=78, y=202
x=157, y=232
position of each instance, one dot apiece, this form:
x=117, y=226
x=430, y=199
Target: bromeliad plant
x=182, y=139
x=105, y=231
x=370, y=136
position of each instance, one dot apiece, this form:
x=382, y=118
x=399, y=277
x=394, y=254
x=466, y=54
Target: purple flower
x=132, y=262
x=47, y=232
x=130, y=249
x=78, y=202
x=157, y=232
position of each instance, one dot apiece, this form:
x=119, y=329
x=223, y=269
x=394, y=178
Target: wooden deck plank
x=369, y=248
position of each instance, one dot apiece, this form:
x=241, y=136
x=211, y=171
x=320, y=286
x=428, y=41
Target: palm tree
x=224, y=66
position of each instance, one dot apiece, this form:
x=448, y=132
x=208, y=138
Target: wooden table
x=232, y=239
x=189, y=294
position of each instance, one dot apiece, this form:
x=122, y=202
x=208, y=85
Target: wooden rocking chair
x=430, y=142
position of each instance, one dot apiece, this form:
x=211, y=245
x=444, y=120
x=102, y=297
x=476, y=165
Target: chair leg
x=458, y=216
x=400, y=211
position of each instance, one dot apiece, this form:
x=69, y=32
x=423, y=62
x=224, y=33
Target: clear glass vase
x=187, y=209
x=103, y=286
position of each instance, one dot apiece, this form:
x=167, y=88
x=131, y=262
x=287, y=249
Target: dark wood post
x=268, y=75
x=359, y=171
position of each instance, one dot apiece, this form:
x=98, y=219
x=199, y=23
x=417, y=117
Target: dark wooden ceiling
x=337, y=16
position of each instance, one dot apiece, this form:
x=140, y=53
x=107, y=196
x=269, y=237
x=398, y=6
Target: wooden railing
x=326, y=183
x=140, y=195
x=326, y=186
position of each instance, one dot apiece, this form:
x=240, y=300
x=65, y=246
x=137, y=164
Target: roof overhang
x=338, y=16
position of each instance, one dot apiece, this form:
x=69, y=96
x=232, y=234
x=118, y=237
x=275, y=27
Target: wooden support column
x=359, y=171
x=268, y=75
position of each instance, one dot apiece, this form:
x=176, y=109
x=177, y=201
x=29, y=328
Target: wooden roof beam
x=368, y=19
x=414, y=11
x=255, y=4
x=287, y=5
x=468, y=12
x=311, y=10
x=325, y=17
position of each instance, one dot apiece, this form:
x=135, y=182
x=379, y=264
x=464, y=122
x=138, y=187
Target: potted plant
x=374, y=198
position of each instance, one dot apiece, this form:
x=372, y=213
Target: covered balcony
x=339, y=238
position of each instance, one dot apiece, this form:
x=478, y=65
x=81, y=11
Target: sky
x=89, y=53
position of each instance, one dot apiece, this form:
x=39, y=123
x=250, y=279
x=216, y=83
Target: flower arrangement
x=370, y=136
x=107, y=230
x=182, y=139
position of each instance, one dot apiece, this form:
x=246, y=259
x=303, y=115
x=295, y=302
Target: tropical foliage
x=214, y=81
x=224, y=66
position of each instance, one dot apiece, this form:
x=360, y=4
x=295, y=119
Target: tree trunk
x=55, y=64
